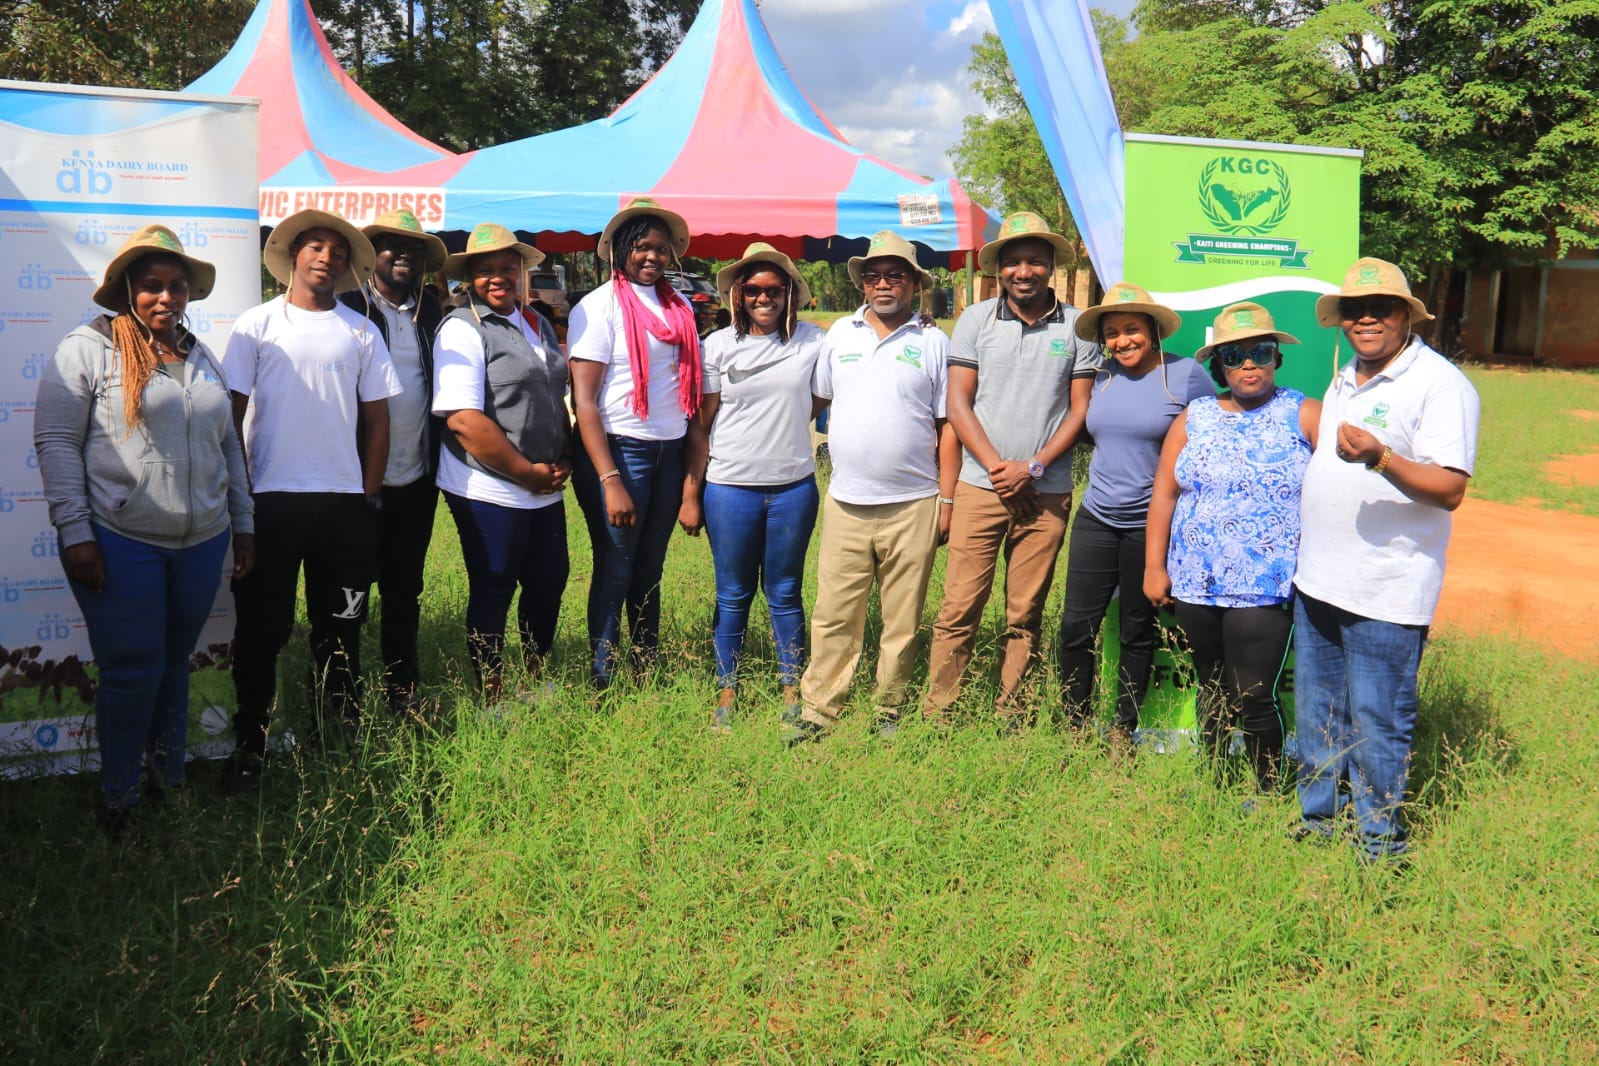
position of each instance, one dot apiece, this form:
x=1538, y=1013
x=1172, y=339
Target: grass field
x=605, y=880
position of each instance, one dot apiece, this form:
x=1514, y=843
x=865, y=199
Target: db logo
x=7, y=504
x=79, y=176
x=46, y=546
x=33, y=366
x=192, y=236
x=47, y=736
x=91, y=232
x=9, y=593
x=53, y=627
x=33, y=277
x=32, y=462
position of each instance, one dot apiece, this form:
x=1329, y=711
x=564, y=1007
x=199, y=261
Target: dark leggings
x=1239, y=654
x=1099, y=559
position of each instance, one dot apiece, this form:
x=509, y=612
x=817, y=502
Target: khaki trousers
x=980, y=530
x=893, y=544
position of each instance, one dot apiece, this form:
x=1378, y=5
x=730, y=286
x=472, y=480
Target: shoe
x=1303, y=833
x=241, y=774
x=885, y=728
x=117, y=822
x=1122, y=745
x=722, y=716
x=803, y=731
x=791, y=705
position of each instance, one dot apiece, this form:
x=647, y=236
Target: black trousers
x=334, y=535
x=1100, y=559
x=405, y=529
x=1239, y=654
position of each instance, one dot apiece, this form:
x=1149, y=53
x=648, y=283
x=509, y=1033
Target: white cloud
x=893, y=82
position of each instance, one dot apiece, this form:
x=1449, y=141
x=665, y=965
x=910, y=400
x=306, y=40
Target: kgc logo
x=1235, y=191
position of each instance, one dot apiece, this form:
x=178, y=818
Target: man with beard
x=407, y=314
x=1019, y=383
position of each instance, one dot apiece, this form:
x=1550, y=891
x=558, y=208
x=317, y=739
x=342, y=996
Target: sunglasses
x=773, y=293
x=1378, y=307
x=1261, y=353
x=870, y=278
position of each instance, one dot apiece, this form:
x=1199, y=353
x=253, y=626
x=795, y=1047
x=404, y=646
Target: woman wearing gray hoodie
x=146, y=483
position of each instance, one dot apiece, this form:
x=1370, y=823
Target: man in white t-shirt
x=884, y=374
x=1395, y=449
x=306, y=374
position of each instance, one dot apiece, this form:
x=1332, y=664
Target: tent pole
x=971, y=279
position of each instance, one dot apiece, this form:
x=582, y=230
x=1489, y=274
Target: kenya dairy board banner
x=1210, y=223
x=80, y=170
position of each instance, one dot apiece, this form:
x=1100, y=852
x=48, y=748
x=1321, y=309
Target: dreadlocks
x=631, y=232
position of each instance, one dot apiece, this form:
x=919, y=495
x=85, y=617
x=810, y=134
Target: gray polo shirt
x=1024, y=382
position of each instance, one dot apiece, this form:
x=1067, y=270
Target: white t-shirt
x=762, y=432
x=408, y=411
x=886, y=395
x=306, y=373
x=1365, y=546
x=594, y=333
x=459, y=369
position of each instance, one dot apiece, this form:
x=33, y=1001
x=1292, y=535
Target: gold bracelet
x=1382, y=464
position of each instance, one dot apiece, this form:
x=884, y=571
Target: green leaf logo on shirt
x=1378, y=416
x=912, y=355
x=1059, y=348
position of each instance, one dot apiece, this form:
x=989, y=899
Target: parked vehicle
x=546, y=285
x=700, y=294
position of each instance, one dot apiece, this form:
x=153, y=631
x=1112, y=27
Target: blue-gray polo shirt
x=1024, y=382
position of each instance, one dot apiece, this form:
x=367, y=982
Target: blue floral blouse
x=1235, y=533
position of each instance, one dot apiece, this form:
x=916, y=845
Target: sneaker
x=241, y=773
x=722, y=719
x=1305, y=833
x=885, y=728
x=803, y=731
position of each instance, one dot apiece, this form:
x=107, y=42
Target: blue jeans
x=628, y=560
x=759, y=535
x=142, y=628
x=504, y=547
x=1355, y=705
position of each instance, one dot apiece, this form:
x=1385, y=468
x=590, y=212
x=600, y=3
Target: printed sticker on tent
x=920, y=211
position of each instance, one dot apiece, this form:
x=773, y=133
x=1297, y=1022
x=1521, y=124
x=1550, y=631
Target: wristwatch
x=1035, y=469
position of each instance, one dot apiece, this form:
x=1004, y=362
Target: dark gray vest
x=524, y=392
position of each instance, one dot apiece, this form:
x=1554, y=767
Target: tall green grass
x=603, y=879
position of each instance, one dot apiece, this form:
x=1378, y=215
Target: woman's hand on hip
x=243, y=554
x=85, y=565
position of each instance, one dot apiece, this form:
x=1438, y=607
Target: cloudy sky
x=890, y=74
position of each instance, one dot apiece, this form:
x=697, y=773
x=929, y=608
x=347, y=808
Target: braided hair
x=631, y=232
x=133, y=340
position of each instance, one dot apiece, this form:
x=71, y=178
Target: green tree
x=107, y=42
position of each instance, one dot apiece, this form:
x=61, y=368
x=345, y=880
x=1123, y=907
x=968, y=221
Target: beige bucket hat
x=402, y=223
x=279, y=257
x=1014, y=228
x=202, y=275
x=1371, y=277
x=1242, y=321
x=489, y=237
x=645, y=205
x=888, y=243
x=1125, y=296
x=761, y=252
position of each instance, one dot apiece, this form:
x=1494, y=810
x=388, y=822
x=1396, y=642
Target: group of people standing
x=339, y=409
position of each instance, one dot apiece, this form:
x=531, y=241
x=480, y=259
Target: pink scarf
x=679, y=329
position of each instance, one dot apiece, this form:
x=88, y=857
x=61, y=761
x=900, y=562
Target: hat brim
x=729, y=274
x=1167, y=321
x=857, y=263
x=988, y=254
x=1327, y=306
x=436, y=252
x=279, y=256
x=1281, y=338
x=677, y=229
x=112, y=294
x=455, y=265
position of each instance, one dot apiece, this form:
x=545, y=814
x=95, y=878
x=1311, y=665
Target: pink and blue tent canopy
x=318, y=128
x=723, y=136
